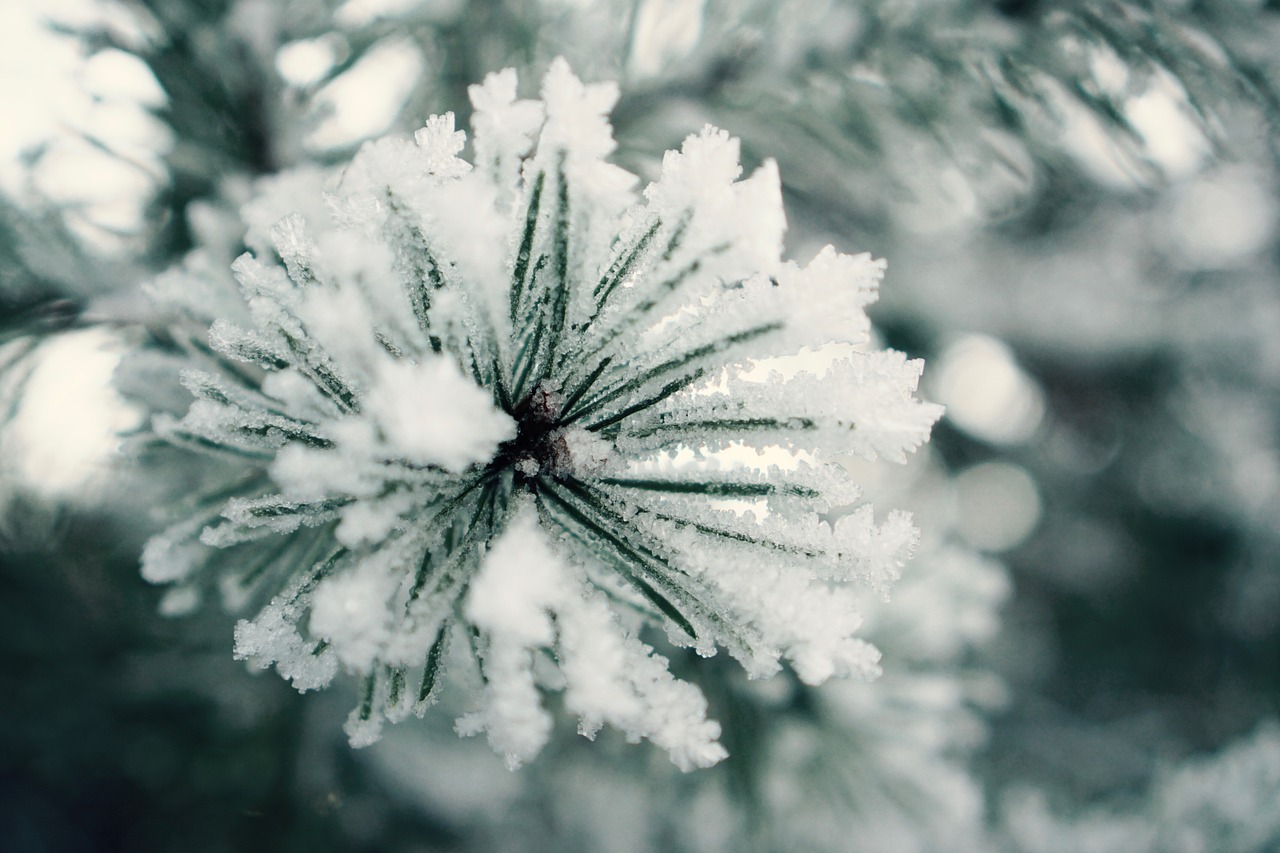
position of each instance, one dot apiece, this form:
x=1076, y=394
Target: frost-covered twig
x=492, y=406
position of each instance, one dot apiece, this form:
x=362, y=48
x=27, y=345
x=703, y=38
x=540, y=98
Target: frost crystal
x=495, y=408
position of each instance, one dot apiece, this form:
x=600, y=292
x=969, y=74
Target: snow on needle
x=485, y=406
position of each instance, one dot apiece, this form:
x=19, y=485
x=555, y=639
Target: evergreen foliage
x=1084, y=189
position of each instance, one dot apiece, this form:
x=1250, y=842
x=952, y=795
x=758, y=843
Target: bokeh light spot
x=985, y=391
x=997, y=505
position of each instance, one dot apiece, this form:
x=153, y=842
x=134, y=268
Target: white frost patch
x=353, y=613
x=504, y=127
x=519, y=581
x=609, y=677
x=430, y=413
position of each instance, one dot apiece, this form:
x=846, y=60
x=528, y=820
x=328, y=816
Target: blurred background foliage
x=1079, y=204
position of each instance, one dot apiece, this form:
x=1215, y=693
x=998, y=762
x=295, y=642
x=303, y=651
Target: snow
x=351, y=611
x=519, y=580
x=431, y=414
x=609, y=677
x=504, y=127
x=524, y=405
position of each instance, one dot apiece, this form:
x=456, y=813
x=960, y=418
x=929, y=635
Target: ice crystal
x=488, y=406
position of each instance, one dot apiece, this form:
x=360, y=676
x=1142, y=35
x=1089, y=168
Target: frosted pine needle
x=494, y=407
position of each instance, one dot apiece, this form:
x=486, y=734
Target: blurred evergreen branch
x=866, y=105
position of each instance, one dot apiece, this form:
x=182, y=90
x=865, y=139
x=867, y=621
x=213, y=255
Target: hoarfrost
x=608, y=676
x=529, y=408
x=431, y=414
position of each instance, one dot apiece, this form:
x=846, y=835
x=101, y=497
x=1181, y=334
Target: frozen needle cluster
x=502, y=408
